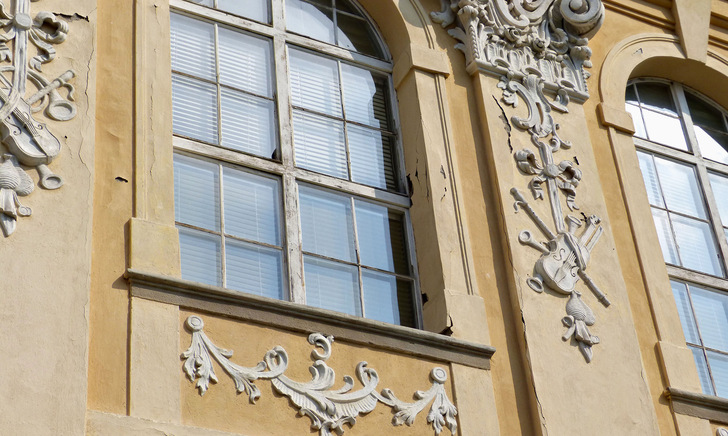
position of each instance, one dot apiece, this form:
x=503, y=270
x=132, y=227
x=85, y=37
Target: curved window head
x=682, y=146
x=288, y=180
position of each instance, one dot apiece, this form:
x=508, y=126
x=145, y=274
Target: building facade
x=291, y=217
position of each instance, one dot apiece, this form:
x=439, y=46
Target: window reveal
x=682, y=148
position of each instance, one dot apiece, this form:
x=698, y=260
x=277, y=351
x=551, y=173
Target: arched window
x=288, y=180
x=682, y=146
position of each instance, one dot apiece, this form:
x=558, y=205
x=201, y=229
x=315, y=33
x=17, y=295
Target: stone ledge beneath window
x=306, y=319
x=698, y=405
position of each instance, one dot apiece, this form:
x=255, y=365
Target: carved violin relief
x=28, y=142
x=566, y=253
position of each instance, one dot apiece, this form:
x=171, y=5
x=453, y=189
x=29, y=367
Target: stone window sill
x=306, y=319
x=698, y=405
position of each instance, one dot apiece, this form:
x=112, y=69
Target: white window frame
x=289, y=174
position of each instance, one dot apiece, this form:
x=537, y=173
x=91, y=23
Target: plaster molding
x=721, y=432
x=300, y=318
x=548, y=38
x=329, y=410
x=698, y=405
x=29, y=142
x=565, y=255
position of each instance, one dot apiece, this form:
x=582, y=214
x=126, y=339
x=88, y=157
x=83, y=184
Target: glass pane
x=696, y=245
x=719, y=184
x=200, y=256
x=639, y=125
x=656, y=96
x=649, y=175
x=312, y=20
x=192, y=46
x=194, y=109
x=664, y=234
x=202, y=2
x=248, y=124
x=631, y=95
x=252, y=206
x=713, y=144
x=680, y=188
x=315, y=83
x=719, y=369
x=253, y=269
x=356, y=34
x=665, y=130
x=319, y=144
x=327, y=224
x=331, y=285
x=704, y=114
x=254, y=9
x=388, y=299
x=196, y=193
x=686, y=312
x=703, y=373
x=365, y=97
x=381, y=237
x=372, y=160
x=346, y=6
x=711, y=310
x=380, y=297
x=710, y=128
x=245, y=62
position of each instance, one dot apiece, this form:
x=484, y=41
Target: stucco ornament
x=544, y=37
x=28, y=142
x=566, y=253
x=328, y=409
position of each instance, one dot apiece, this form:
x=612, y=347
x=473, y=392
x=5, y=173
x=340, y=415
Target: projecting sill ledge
x=698, y=405
x=306, y=319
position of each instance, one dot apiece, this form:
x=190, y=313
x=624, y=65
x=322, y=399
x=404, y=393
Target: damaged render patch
x=72, y=17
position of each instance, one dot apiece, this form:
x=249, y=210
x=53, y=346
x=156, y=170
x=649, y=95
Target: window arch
x=682, y=146
x=288, y=180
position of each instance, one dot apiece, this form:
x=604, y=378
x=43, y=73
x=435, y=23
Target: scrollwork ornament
x=548, y=38
x=330, y=410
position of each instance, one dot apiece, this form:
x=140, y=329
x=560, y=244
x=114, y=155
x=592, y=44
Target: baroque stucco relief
x=28, y=142
x=536, y=46
x=547, y=38
x=328, y=409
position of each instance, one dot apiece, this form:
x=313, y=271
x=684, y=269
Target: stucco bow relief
x=547, y=38
x=28, y=142
x=329, y=410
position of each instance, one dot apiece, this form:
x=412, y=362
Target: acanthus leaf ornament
x=329, y=410
x=547, y=38
x=28, y=141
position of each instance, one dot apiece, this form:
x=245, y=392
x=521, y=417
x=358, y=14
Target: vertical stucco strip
x=153, y=168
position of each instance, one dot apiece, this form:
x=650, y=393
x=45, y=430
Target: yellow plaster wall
x=510, y=380
x=616, y=28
